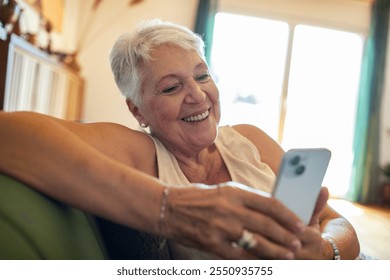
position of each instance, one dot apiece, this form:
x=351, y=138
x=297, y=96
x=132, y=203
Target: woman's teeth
x=197, y=118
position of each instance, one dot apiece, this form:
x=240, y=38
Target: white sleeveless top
x=242, y=160
x=241, y=157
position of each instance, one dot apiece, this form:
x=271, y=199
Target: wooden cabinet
x=34, y=81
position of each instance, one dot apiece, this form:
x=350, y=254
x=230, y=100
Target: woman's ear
x=136, y=112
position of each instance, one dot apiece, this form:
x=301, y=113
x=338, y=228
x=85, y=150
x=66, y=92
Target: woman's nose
x=195, y=93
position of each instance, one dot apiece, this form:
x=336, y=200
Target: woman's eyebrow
x=168, y=76
x=200, y=65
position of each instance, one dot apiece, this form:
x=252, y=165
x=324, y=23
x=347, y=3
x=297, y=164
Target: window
x=248, y=58
x=298, y=83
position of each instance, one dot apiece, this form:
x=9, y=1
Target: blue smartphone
x=300, y=179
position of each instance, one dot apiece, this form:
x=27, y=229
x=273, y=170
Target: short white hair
x=132, y=49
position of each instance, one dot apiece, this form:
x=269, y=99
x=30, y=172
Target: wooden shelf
x=35, y=81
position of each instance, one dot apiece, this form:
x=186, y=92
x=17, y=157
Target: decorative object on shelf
x=7, y=10
x=26, y=34
x=47, y=27
x=69, y=59
x=9, y=16
x=30, y=37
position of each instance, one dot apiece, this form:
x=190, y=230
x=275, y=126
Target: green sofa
x=33, y=226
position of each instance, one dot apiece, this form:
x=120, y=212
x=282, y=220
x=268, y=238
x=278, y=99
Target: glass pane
x=248, y=57
x=322, y=95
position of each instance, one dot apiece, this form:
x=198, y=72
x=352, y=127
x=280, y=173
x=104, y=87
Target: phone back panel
x=300, y=179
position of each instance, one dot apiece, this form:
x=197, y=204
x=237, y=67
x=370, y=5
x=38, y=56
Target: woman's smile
x=197, y=117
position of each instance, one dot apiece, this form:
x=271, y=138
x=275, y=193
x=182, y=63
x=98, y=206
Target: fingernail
x=300, y=226
x=296, y=244
x=289, y=256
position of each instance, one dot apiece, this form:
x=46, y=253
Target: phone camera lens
x=300, y=169
x=295, y=160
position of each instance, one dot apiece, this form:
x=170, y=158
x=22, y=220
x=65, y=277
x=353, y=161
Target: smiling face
x=180, y=100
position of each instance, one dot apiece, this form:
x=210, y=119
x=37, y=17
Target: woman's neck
x=205, y=167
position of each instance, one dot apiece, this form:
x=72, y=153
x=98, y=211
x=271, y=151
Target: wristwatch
x=336, y=252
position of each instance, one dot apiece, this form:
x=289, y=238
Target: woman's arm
x=75, y=164
x=45, y=153
x=336, y=227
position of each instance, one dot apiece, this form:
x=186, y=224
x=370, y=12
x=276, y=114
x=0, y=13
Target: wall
x=103, y=102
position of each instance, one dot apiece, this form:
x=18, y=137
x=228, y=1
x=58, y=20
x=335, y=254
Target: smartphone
x=300, y=179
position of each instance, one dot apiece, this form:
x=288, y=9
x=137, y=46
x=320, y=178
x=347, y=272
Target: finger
x=310, y=235
x=233, y=252
x=263, y=249
x=275, y=210
x=264, y=203
x=207, y=221
x=269, y=250
x=272, y=232
x=217, y=242
x=312, y=244
x=265, y=222
x=272, y=240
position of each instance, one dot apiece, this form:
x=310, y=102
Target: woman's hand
x=214, y=218
x=313, y=245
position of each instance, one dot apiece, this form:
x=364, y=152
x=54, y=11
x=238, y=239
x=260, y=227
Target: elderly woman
x=179, y=191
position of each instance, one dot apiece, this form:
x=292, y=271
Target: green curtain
x=204, y=25
x=365, y=186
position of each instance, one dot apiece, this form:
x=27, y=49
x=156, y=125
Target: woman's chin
x=203, y=134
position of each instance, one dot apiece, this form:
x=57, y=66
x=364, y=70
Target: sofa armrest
x=34, y=226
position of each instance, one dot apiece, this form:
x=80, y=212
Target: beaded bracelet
x=336, y=252
x=163, y=208
x=164, y=201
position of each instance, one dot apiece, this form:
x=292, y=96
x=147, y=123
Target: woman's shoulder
x=110, y=133
x=122, y=143
x=114, y=128
x=238, y=133
x=253, y=133
x=271, y=152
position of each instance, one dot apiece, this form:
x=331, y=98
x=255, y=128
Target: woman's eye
x=203, y=77
x=170, y=89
